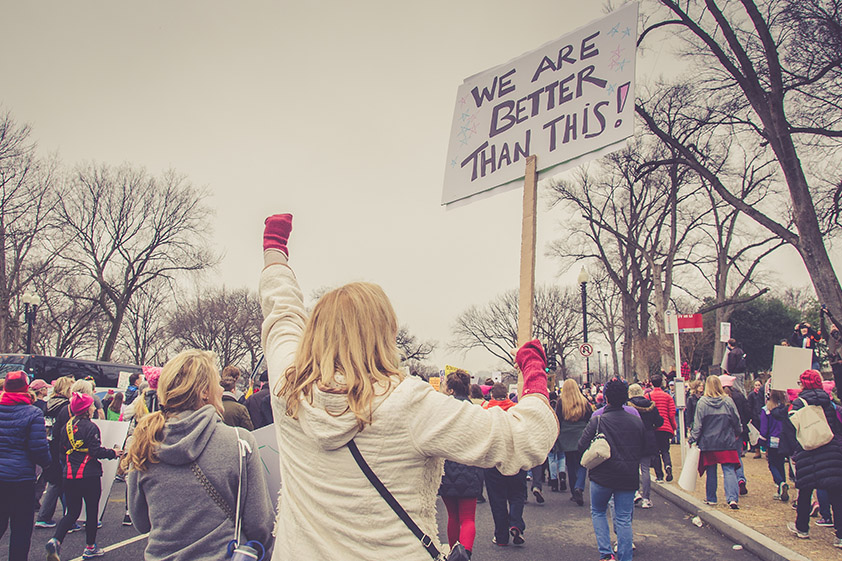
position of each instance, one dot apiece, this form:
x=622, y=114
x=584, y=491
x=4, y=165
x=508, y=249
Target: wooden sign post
x=527, y=257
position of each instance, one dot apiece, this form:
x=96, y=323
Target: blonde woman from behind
x=183, y=454
x=336, y=377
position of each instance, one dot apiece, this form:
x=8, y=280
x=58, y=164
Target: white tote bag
x=690, y=469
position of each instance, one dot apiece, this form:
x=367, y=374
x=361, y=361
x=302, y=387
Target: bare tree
x=411, y=348
x=69, y=323
x=220, y=320
x=127, y=229
x=768, y=71
x=605, y=305
x=493, y=327
x=144, y=338
x=28, y=195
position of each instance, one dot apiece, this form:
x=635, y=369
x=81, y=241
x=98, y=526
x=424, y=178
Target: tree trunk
x=113, y=333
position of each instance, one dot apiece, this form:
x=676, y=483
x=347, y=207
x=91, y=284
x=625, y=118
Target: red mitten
x=276, y=232
x=532, y=362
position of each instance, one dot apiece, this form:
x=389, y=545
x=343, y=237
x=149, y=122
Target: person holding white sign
x=346, y=415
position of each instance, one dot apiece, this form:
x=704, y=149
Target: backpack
x=811, y=428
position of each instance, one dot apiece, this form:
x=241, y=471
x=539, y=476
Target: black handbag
x=457, y=552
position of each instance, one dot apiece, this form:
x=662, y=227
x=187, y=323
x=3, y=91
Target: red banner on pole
x=689, y=323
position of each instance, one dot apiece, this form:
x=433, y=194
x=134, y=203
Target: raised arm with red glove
x=276, y=231
x=532, y=362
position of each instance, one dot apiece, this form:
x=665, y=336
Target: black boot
x=554, y=485
x=562, y=481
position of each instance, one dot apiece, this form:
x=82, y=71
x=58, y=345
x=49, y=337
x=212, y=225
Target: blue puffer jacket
x=23, y=442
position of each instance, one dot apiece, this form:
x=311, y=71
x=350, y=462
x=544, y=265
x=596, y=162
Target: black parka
x=651, y=419
x=624, y=433
x=820, y=468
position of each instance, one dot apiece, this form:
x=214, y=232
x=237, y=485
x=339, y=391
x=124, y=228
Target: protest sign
x=267, y=447
x=724, y=332
x=571, y=97
x=787, y=365
x=111, y=434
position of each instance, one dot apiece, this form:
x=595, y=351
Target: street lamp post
x=583, y=279
x=31, y=301
x=599, y=365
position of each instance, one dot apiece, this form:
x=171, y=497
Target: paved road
x=556, y=531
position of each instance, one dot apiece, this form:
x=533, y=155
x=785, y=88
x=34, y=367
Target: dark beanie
x=16, y=382
x=616, y=392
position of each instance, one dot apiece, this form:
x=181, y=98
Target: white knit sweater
x=328, y=509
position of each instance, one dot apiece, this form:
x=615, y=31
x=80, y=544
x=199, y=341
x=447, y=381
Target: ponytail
x=148, y=434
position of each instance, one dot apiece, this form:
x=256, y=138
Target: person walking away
x=820, y=468
x=234, y=413
x=259, y=405
x=573, y=412
x=187, y=469
x=336, y=381
x=461, y=484
x=695, y=389
x=756, y=402
x=663, y=434
x=616, y=478
x=23, y=445
x=506, y=493
x=716, y=429
x=555, y=459
x=58, y=408
x=735, y=365
x=772, y=418
x=114, y=411
x=79, y=440
x=742, y=410
x=651, y=420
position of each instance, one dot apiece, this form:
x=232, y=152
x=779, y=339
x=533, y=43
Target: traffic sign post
x=586, y=349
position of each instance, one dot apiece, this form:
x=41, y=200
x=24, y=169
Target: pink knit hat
x=152, y=373
x=727, y=380
x=80, y=402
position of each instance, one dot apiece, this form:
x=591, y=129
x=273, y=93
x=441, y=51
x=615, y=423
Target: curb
x=753, y=541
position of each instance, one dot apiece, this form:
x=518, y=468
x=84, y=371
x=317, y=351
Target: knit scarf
x=15, y=398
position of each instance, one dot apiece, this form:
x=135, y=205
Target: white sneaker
x=637, y=497
x=646, y=503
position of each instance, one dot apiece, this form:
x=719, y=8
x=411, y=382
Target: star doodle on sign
x=618, y=53
x=622, y=64
x=614, y=30
x=611, y=88
x=463, y=141
x=453, y=163
x=465, y=116
x=626, y=32
x=463, y=100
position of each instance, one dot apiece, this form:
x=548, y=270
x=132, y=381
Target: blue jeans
x=729, y=475
x=556, y=463
x=623, y=510
x=776, y=466
x=741, y=473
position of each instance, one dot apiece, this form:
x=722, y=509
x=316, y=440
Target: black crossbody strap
x=426, y=540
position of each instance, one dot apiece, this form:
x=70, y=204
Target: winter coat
x=460, y=480
x=755, y=407
x=666, y=407
x=690, y=410
x=23, y=442
x=235, y=414
x=55, y=405
x=625, y=435
x=82, y=460
x=569, y=432
x=735, y=362
x=808, y=341
x=772, y=426
x=260, y=408
x=329, y=509
x=651, y=420
x=820, y=468
x=717, y=424
x=169, y=501
x=131, y=395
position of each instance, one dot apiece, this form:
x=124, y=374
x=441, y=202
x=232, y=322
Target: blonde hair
x=573, y=403
x=713, y=387
x=62, y=386
x=348, y=344
x=183, y=381
x=82, y=386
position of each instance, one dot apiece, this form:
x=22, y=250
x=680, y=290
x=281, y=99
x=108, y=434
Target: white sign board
x=111, y=434
x=787, y=365
x=267, y=446
x=570, y=97
x=724, y=332
x=680, y=395
x=123, y=381
x=671, y=323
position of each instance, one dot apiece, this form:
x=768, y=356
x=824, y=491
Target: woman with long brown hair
x=573, y=412
x=341, y=400
x=188, y=470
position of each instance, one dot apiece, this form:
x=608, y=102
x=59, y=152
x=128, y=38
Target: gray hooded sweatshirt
x=168, y=500
x=716, y=425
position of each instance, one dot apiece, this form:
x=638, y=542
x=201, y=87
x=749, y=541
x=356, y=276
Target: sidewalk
x=760, y=523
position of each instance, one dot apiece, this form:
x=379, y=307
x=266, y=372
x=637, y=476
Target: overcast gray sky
x=336, y=111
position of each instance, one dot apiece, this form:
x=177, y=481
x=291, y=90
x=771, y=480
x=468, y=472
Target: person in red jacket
x=663, y=434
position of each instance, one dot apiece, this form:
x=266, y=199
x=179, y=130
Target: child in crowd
x=772, y=418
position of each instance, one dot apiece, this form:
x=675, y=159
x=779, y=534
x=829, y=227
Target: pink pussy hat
x=80, y=402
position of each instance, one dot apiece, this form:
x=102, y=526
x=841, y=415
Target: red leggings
x=460, y=520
